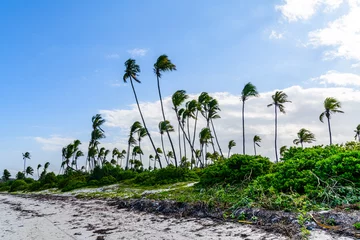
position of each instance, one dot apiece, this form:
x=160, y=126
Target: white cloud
x=342, y=35
x=138, y=52
x=338, y=79
x=304, y=111
x=113, y=56
x=294, y=10
x=53, y=143
x=117, y=83
x=275, y=35
x=355, y=65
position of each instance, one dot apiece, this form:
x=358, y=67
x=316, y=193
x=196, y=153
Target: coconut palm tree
x=331, y=105
x=357, y=132
x=132, y=71
x=106, y=153
x=46, y=166
x=231, y=144
x=114, y=153
x=248, y=91
x=282, y=150
x=141, y=134
x=29, y=171
x=205, y=138
x=213, y=114
x=38, y=167
x=135, y=127
x=256, y=141
x=279, y=99
x=165, y=126
x=6, y=175
x=26, y=156
x=163, y=64
x=178, y=99
x=304, y=136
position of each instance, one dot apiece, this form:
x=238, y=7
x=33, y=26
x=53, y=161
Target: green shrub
x=235, y=169
x=35, y=186
x=93, y=183
x=18, y=185
x=29, y=180
x=107, y=180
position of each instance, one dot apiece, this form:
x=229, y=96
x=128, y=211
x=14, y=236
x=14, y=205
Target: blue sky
x=62, y=62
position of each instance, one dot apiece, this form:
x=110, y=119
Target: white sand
x=28, y=218
x=25, y=218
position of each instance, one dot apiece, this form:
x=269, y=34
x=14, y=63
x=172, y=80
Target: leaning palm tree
x=256, y=141
x=231, y=144
x=357, y=132
x=38, y=167
x=25, y=156
x=163, y=64
x=165, y=126
x=141, y=134
x=331, y=106
x=178, y=99
x=29, y=171
x=304, y=136
x=279, y=99
x=205, y=138
x=248, y=91
x=132, y=71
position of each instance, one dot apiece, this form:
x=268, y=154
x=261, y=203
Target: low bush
x=73, y=184
x=18, y=185
x=107, y=180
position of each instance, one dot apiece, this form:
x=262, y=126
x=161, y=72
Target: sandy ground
x=70, y=218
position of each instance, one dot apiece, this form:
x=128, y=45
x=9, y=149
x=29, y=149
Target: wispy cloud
x=112, y=56
x=338, y=79
x=53, y=143
x=275, y=35
x=138, y=52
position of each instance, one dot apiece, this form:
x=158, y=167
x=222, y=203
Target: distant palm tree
x=26, y=156
x=231, y=144
x=331, y=106
x=163, y=64
x=38, y=167
x=29, y=171
x=141, y=134
x=282, y=150
x=357, y=132
x=248, y=91
x=178, y=99
x=304, y=136
x=279, y=99
x=165, y=126
x=114, y=153
x=256, y=141
x=135, y=127
x=213, y=114
x=132, y=71
x=205, y=138
x=46, y=166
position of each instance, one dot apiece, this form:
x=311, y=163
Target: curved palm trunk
x=143, y=120
x=127, y=157
x=329, y=130
x=255, y=148
x=197, y=113
x=276, y=153
x=217, y=141
x=302, y=144
x=359, y=137
x=24, y=165
x=184, y=141
x=162, y=144
x=188, y=140
x=179, y=133
x=141, y=150
x=243, y=126
x=229, y=152
x=211, y=139
x=163, y=113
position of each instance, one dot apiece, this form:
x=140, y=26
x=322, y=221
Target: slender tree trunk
x=196, y=118
x=255, y=148
x=163, y=113
x=211, y=139
x=127, y=157
x=185, y=154
x=217, y=141
x=143, y=120
x=179, y=133
x=359, y=137
x=302, y=145
x=162, y=143
x=328, y=118
x=141, y=150
x=188, y=140
x=276, y=153
x=243, y=125
x=229, y=152
x=24, y=165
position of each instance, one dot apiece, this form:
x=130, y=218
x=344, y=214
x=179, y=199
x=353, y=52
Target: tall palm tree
x=132, y=71
x=38, y=167
x=78, y=154
x=357, y=132
x=279, y=99
x=256, y=141
x=29, y=171
x=248, y=91
x=26, y=156
x=304, y=136
x=231, y=144
x=165, y=126
x=178, y=99
x=114, y=153
x=205, y=138
x=141, y=134
x=135, y=127
x=163, y=64
x=331, y=105
x=213, y=114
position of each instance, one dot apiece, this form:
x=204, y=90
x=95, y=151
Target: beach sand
x=65, y=218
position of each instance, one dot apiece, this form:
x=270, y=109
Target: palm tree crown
x=357, y=132
x=231, y=144
x=304, y=136
x=163, y=64
x=132, y=70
